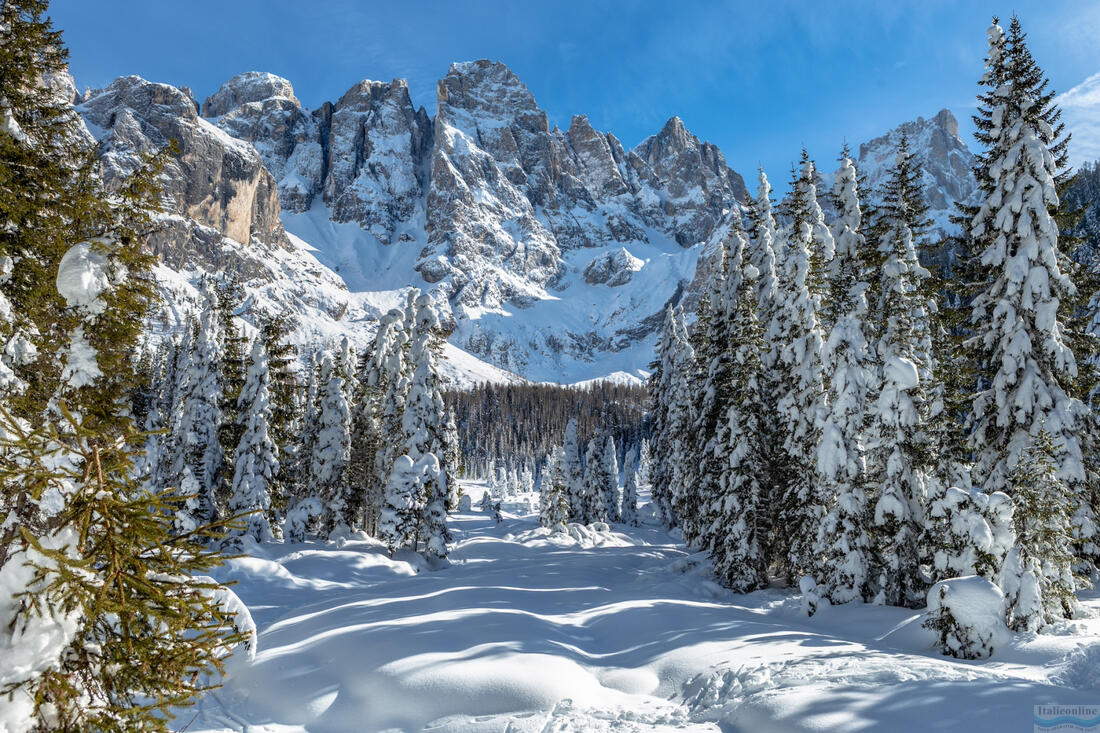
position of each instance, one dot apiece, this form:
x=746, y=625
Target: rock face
x=221, y=206
x=945, y=160
x=217, y=183
x=613, y=268
x=364, y=156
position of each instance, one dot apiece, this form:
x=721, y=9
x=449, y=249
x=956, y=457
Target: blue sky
x=760, y=79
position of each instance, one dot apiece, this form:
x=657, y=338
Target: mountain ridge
x=549, y=253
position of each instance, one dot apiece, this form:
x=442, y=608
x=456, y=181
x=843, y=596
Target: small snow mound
x=969, y=615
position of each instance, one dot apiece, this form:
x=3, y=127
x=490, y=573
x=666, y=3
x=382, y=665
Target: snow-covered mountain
x=945, y=160
x=551, y=253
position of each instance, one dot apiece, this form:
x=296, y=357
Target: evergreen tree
x=232, y=349
x=452, y=458
x=115, y=627
x=367, y=446
x=628, y=513
x=553, y=502
x=899, y=462
x=1019, y=311
x=328, y=465
x=659, y=387
x=843, y=544
x=801, y=393
x=593, y=503
x=434, y=532
x=680, y=439
x=257, y=455
x=283, y=389
x=715, y=365
x=1038, y=577
x=739, y=529
x=201, y=395
x=573, y=472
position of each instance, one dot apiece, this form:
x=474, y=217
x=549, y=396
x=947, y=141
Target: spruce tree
x=328, y=477
x=739, y=528
x=899, y=460
x=1019, y=313
x=843, y=543
x=801, y=393
x=553, y=502
x=1038, y=576
x=572, y=469
x=628, y=513
x=256, y=459
x=115, y=626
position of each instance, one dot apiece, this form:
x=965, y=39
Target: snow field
x=599, y=629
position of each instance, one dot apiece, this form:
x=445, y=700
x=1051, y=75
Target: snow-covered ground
x=614, y=630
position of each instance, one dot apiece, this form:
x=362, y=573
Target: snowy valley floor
x=614, y=631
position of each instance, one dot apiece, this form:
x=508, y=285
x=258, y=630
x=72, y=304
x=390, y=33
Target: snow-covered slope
x=600, y=630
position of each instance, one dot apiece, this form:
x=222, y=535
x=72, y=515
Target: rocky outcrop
x=377, y=148
x=612, y=268
x=365, y=156
x=217, y=181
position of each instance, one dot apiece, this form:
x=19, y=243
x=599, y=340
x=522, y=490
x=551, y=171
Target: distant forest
x=519, y=424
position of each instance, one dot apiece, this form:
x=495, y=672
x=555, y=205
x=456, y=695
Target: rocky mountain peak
x=247, y=88
x=945, y=161
x=483, y=94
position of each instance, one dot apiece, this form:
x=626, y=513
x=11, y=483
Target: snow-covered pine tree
x=713, y=377
x=1019, y=312
x=767, y=253
x=1038, y=575
x=346, y=364
x=328, y=464
x=843, y=542
x=573, y=470
x=201, y=396
x=433, y=524
x=612, y=501
x=898, y=457
x=962, y=539
x=739, y=531
x=256, y=460
x=659, y=387
x=283, y=388
x=396, y=377
x=680, y=418
x=399, y=519
x=801, y=390
x=553, y=502
x=593, y=506
x=233, y=351
x=645, y=462
x=628, y=513
x=367, y=445
x=307, y=434
x=452, y=452
x=424, y=416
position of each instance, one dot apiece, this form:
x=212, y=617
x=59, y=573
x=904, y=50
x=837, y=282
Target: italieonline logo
x=1067, y=718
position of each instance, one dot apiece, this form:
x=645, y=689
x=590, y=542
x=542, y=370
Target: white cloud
x=1081, y=113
